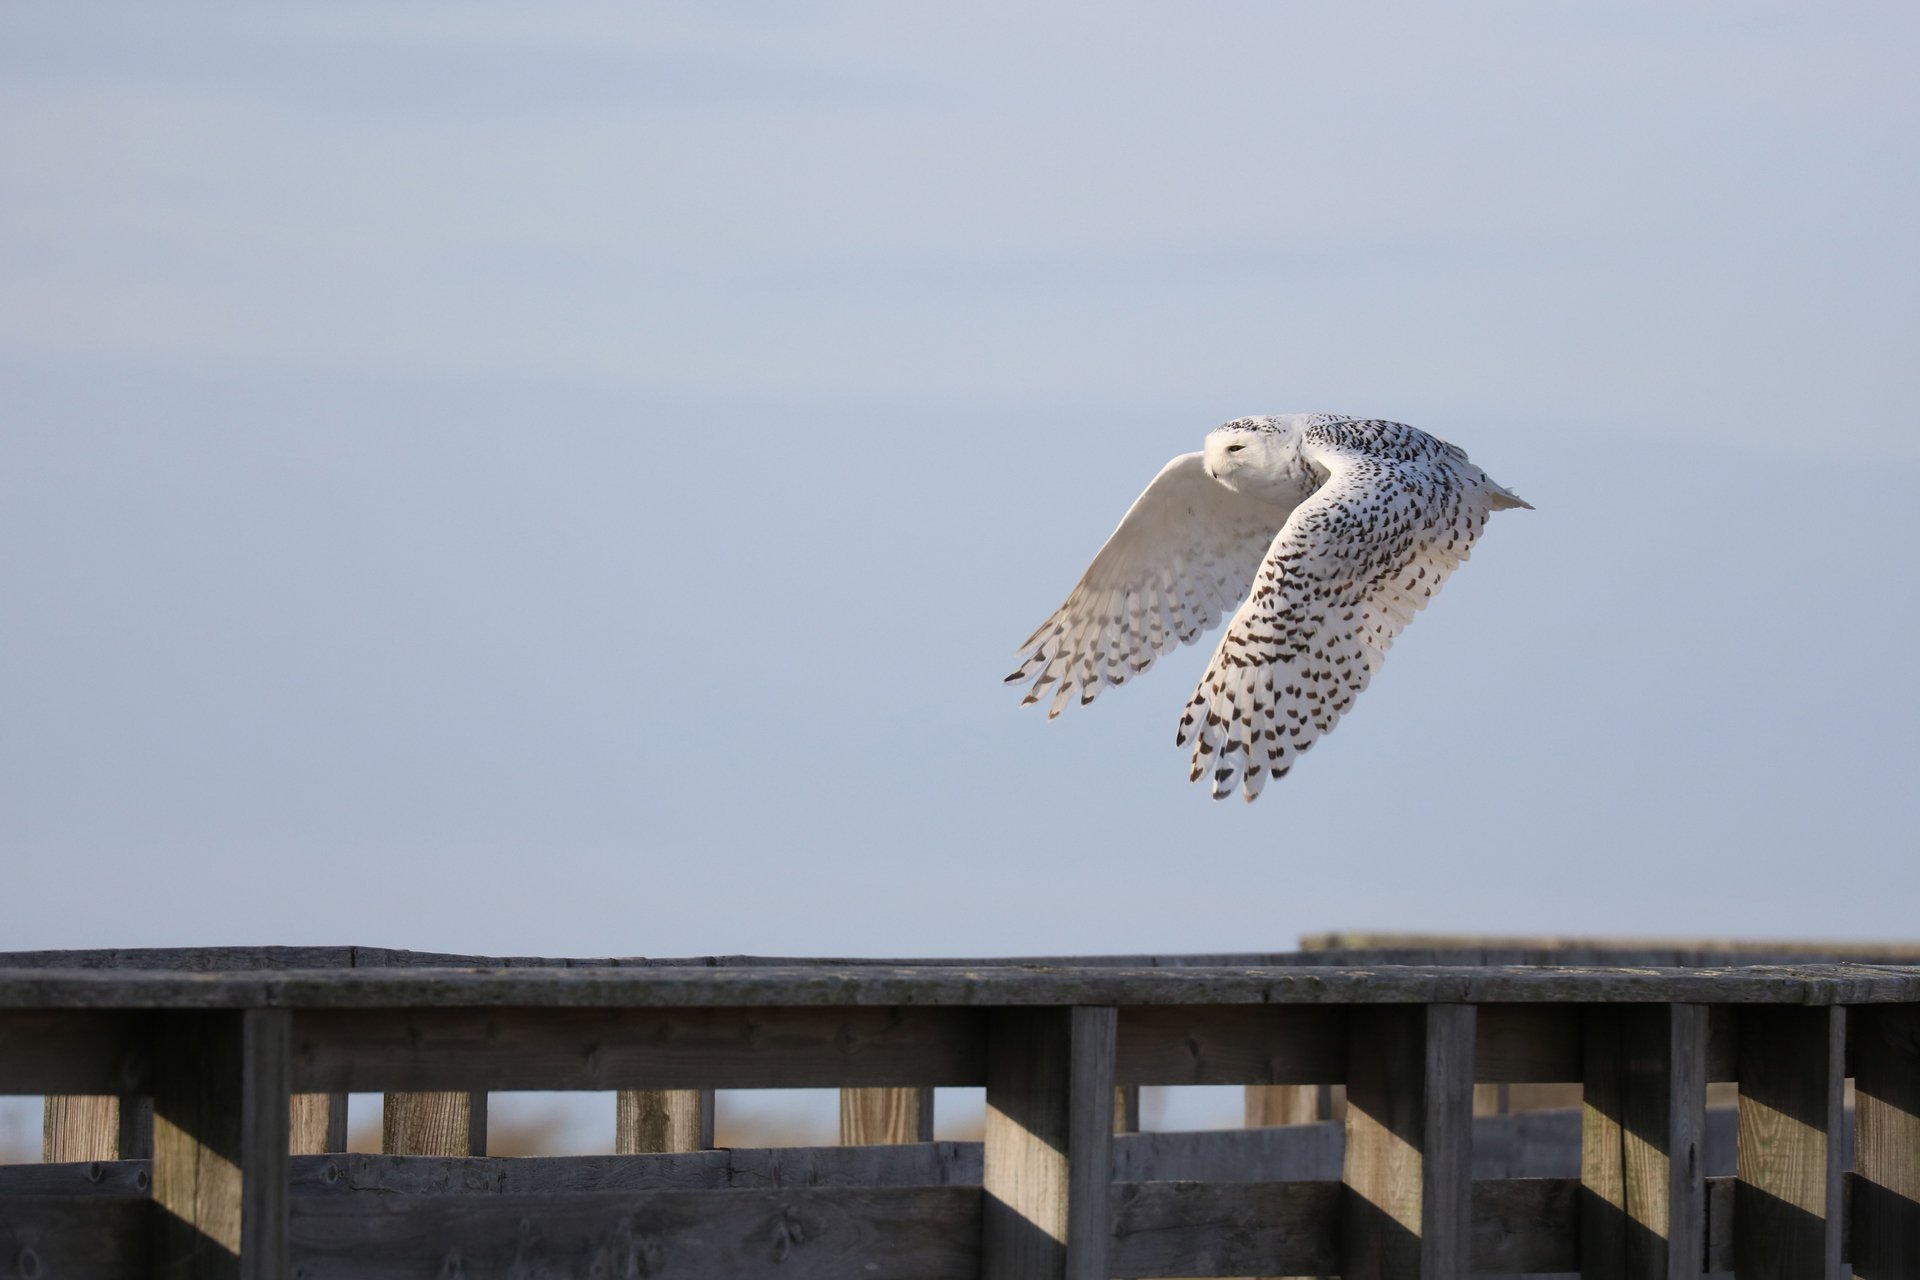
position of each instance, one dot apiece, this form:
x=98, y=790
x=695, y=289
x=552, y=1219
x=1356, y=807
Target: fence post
x=662, y=1120
x=1643, y=1208
x=434, y=1124
x=1407, y=1210
x=1886, y=1142
x=1049, y=1144
x=1786, y=1209
x=220, y=1136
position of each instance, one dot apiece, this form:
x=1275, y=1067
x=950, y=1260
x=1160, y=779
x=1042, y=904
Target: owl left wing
x=1351, y=567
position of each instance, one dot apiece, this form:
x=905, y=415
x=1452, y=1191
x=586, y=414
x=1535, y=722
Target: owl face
x=1255, y=456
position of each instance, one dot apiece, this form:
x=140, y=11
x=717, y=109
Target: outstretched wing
x=1181, y=558
x=1398, y=512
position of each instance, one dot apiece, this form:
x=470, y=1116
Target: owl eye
x=1235, y=448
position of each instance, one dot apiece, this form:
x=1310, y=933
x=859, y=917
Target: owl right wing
x=1184, y=555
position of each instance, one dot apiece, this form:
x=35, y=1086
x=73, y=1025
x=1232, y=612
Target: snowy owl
x=1329, y=532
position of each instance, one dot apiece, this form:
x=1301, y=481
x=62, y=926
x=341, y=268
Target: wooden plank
x=1224, y=1229
x=869, y=986
x=434, y=1124
x=1643, y=1157
x=317, y=1123
x=73, y=1051
x=1527, y=1044
x=96, y=1127
x=1126, y=1109
x=926, y=1233
x=1408, y=1165
x=662, y=1120
x=1279, y=1104
x=220, y=1138
x=1232, y=1044
x=1792, y=1070
x=1886, y=1183
x=1049, y=1141
x=55, y=1236
x=870, y=1116
x=628, y=1049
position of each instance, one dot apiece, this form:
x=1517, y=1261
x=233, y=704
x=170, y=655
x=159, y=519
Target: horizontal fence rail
x=210, y=1085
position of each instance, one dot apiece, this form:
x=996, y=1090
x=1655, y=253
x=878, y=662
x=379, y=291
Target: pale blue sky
x=568, y=479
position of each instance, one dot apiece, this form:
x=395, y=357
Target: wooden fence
x=246, y=1054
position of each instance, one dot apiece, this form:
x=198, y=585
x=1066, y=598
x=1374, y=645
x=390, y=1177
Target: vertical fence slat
x=220, y=1139
x=1643, y=1130
x=434, y=1124
x=662, y=1120
x=1049, y=1144
x=85, y=1127
x=1271, y=1104
x=1886, y=1152
x=889, y=1116
x=1787, y=1206
x=317, y=1123
x=1126, y=1109
x=1409, y=1160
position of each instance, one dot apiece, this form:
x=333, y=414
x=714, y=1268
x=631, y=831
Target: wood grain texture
x=96, y=1127
x=434, y=1124
x=73, y=1051
x=1049, y=1142
x=875, y=985
x=1885, y=1206
x=635, y=1049
x=1225, y=1229
x=1408, y=1160
x=662, y=1120
x=1643, y=1143
x=1232, y=1044
x=52, y=1237
x=1788, y=1202
x=1278, y=1104
x=916, y=1233
x=220, y=1138
x=869, y=1116
x=317, y=1123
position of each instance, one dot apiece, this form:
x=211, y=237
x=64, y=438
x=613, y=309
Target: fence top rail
x=985, y=986
x=1334, y=950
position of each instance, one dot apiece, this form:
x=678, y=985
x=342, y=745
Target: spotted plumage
x=1324, y=534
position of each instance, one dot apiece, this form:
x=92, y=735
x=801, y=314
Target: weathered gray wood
x=662, y=1120
x=317, y=1123
x=1526, y=1225
x=666, y=987
x=914, y=1233
x=49, y=1237
x=1232, y=1044
x=1049, y=1143
x=1792, y=1069
x=1408, y=1163
x=434, y=1124
x=96, y=1127
x=740, y=1168
x=220, y=1138
x=71, y=1051
x=82, y=1178
x=1224, y=1229
x=633, y=1049
x=1643, y=1145
x=869, y=1116
x=1886, y=1183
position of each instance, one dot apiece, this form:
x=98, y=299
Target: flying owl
x=1323, y=533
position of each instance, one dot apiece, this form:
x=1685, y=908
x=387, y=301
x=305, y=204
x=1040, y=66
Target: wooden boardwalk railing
x=222, y=1042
